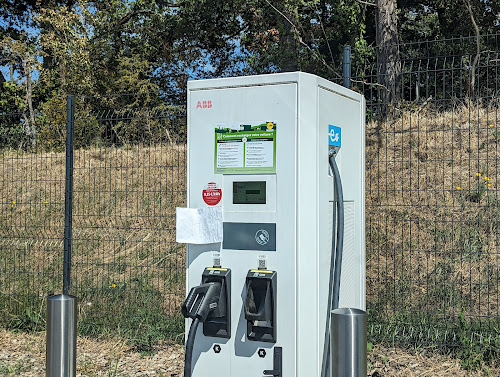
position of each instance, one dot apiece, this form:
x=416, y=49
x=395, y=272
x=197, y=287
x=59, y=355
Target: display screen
x=252, y=192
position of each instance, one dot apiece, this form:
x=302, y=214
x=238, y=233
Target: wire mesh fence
x=432, y=203
x=129, y=176
x=432, y=196
x=31, y=223
x=128, y=272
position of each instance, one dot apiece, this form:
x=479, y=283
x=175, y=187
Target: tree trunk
x=30, y=131
x=389, y=65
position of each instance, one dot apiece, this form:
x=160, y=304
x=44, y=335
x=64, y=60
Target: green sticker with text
x=245, y=148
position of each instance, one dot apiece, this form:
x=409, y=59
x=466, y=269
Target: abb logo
x=204, y=105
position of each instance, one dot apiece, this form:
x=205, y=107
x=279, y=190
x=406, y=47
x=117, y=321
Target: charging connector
x=200, y=302
x=209, y=303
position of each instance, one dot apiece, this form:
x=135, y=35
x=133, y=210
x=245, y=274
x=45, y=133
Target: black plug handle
x=193, y=300
x=201, y=300
x=210, y=301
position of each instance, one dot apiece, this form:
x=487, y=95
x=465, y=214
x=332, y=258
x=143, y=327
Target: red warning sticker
x=212, y=194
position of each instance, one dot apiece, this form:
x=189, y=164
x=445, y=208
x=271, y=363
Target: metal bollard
x=60, y=358
x=348, y=343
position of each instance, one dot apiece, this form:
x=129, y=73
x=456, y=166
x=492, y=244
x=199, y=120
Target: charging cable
x=200, y=302
x=336, y=257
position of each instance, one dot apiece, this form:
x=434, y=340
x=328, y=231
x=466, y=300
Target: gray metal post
x=61, y=336
x=348, y=343
x=346, y=65
x=68, y=197
x=60, y=356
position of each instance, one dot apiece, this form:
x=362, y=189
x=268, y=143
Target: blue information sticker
x=334, y=136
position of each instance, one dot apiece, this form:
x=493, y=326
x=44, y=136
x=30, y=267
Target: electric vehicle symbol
x=262, y=237
x=334, y=137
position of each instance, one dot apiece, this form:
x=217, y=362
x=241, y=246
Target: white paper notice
x=230, y=155
x=199, y=225
x=259, y=154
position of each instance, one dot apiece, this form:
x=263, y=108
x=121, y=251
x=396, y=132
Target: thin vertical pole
x=346, y=64
x=68, y=197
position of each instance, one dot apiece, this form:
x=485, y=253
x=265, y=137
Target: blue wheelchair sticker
x=334, y=135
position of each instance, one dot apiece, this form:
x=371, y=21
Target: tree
x=301, y=35
x=23, y=54
x=436, y=19
x=11, y=130
x=388, y=60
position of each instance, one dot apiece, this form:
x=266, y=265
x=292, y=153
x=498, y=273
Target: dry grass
x=23, y=354
x=432, y=222
x=125, y=200
x=395, y=362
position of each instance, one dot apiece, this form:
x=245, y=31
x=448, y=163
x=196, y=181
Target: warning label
x=212, y=194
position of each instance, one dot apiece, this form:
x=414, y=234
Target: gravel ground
x=24, y=355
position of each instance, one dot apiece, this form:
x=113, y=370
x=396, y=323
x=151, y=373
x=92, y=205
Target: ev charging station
x=260, y=177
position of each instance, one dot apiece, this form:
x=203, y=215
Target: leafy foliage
x=435, y=19
x=153, y=47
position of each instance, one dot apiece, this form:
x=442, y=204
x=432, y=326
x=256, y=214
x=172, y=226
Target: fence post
x=60, y=360
x=346, y=65
x=68, y=197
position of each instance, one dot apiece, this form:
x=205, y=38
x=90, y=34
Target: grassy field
x=127, y=271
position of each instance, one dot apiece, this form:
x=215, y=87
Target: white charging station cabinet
x=276, y=195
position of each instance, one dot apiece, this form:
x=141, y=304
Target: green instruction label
x=245, y=148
